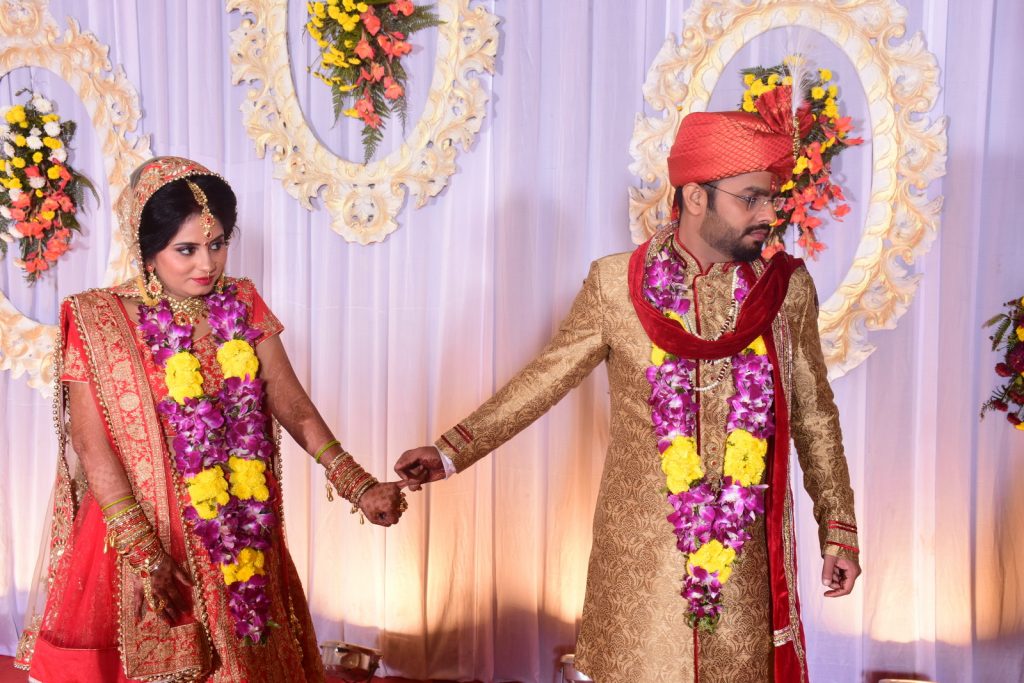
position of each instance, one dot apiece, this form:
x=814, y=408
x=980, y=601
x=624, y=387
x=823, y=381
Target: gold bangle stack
x=349, y=479
x=132, y=537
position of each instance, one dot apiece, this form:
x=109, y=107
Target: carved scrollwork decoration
x=30, y=37
x=363, y=199
x=900, y=81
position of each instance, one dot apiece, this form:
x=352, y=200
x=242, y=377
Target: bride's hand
x=167, y=598
x=384, y=503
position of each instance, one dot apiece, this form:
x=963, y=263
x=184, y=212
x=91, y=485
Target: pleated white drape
x=484, y=577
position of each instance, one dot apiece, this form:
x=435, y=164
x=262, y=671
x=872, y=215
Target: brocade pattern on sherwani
x=634, y=624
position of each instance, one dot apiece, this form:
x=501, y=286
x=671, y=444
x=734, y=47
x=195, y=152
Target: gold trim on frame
x=363, y=199
x=30, y=37
x=901, y=83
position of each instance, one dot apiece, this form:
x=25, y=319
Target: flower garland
x=710, y=523
x=824, y=134
x=39, y=192
x=1009, y=397
x=221, y=449
x=360, y=57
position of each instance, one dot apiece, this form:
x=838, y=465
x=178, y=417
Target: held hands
x=839, y=574
x=384, y=503
x=420, y=466
x=165, y=597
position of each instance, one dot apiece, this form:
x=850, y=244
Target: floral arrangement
x=1008, y=337
x=221, y=449
x=361, y=45
x=40, y=193
x=710, y=521
x=823, y=134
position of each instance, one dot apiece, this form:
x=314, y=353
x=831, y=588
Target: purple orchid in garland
x=703, y=513
x=211, y=429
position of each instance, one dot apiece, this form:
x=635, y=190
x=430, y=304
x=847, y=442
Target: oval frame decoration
x=30, y=37
x=900, y=82
x=363, y=199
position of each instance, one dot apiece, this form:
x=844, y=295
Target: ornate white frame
x=900, y=80
x=363, y=199
x=30, y=36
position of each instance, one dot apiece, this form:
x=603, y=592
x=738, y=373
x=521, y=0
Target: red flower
x=377, y=72
x=18, y=214
x=32, y=171
x=1013, y=419
x=1015, y=358
x=1000, y=405
x=401, y=7
x=385, y=44
x=364, y=105
x=370, y=21
x=1003, y=370
x=840, y=211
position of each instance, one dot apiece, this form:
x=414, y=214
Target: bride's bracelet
x=349, y=479
x=132, y=537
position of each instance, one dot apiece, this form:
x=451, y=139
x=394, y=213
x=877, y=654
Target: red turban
x=714, y=145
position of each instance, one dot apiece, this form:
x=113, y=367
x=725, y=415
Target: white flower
x=20, y=263
x=34, y=142
x=4, y=110
x=37, y=182
x=59, y=155
x=15, y=193
x=8, y=150
x=6, y=237
x=5, y=212
x=34, y=131
x=15, y=233
x=52, y=128
x=4, y=130
x=41, y=104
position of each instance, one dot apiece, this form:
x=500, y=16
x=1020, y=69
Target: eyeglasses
x=754, y=203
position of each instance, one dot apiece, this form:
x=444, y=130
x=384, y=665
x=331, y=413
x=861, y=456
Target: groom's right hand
x=420, y=466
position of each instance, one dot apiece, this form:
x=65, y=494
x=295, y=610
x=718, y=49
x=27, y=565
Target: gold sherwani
x=634, y=627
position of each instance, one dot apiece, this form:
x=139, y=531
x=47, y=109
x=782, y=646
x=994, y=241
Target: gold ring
x=403, y=505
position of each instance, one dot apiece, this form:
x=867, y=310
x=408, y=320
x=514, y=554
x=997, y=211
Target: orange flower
x=392, y=90
x=771, y=249
x=30, y=229
x=840, y=211
x=815, y=164
x=401, y=48
x=401, y=7
x=364, y=50
x=370, y=21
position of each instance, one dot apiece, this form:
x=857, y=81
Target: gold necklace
x=189, y=310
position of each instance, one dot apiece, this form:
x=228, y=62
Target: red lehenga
x=83, y=621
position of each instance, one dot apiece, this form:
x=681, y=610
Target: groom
x=714, y=364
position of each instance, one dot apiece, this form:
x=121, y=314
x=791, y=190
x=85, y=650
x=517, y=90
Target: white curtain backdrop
x=395, y=342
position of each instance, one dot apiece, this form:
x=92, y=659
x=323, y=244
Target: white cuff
x=449, y=466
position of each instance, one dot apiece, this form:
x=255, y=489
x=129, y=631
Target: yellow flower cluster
x=16, y=116
x=681, y=464
x=181, y=374
x=247, y=479
x=744, y=457
x=713, y=557
x=344, y=12
x=207, y=490
x=250, y=562
x=757, y=346
x=237, y=359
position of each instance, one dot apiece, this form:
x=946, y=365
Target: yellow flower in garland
x=247, y=480
x=237, y=359
x=744, y=457
x=250, y=562
x=713, y=557
x=657, y=355
x=758, y=347
x=208, y=490
x=681, y=464
x=1020, y=333
x=181, y=374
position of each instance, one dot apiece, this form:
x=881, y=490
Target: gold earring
x=152, y=289
x=219, y=287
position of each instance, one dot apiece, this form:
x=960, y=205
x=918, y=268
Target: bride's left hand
x=384, y=503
